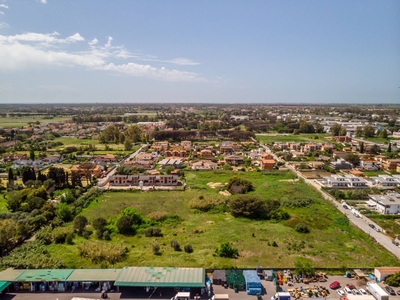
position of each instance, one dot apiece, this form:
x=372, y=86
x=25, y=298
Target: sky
x=204, y=51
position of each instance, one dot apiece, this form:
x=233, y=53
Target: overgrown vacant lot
x=9, y=122
x=332, y=242
x=297, y=138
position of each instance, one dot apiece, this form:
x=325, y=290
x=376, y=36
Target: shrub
x=239, y=186
x=98, y=251
x=156, y=249
x=158, y=216
x=106, y=235
x=226, y=250
x=249, y=207
x=153, y=231
x=80, y=223
x=175, y=245
x=69, y=238
x=59, y=235
x=188, y=248
x=124, y=224
x=302, y=228
x=99, y=234
x=99, y=223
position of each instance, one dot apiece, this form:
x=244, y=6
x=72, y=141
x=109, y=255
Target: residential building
x=204, y=165
x=267, y=162
x=14, y=157
x=341, y=164
x=205, y=153
x=385, y=181
x=390, y=164
x=147, y=180
x=369, y=165
x=234, y=160
x=388, y=204
x=87, y=168
x=348, y=181
x=171, y=162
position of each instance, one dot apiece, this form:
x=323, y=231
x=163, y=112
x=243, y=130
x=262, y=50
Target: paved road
x=362, y=223
x=103, y=181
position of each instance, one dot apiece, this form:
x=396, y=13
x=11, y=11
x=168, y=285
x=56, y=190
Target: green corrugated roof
x=161, y=277
x=4, y=285
x=94, y=275
x=44, y=275
x=10, y=274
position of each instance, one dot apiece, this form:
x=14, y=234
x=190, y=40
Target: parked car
x=377, y=229
x=371, y=225
x=341, y=293
x=363, y=292
x=390, y=290
x=398, y=292
x=355, y=292
x=347, y=291
x=334, y=285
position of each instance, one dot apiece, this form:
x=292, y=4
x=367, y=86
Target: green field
x=332, y=242
x=9, y=122
x=297, y=138
x=100, y=148
x=3, y=203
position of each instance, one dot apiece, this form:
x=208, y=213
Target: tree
x=133, y=133
x=175, y=245
x=335, y=129
x=110, y=135
x=49, y=183
x=75, y=179
x=32, y=154
x=362, y=147
x=87, y=168
x=389, y=148
x=342, y=131
x=156, y=249
x=8, y=229
x=393, y=280
x=128, y=145
x=249, y=207
x=226, y=250
x=14, y=201
x=369, y=131
x=99, y=223
x=359, y=132
x=384, y=134
x=124, y=224
x=319, y=128
x=304, y=268
x=353, y=158
x=64, y=212
x=80, y=223
x=10, y=177
x=374, y=149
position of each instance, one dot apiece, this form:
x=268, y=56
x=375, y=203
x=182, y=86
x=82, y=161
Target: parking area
x=139, y=294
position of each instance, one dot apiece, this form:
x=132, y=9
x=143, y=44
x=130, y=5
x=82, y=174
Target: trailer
x=281, y=296
x=220, y=297
x=181, y=296
x=377, y=291
x=360, y=297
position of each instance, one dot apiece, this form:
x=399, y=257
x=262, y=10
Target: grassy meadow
x=332, y=242
x=297, y=138
x=11, y=122
x=100, y=148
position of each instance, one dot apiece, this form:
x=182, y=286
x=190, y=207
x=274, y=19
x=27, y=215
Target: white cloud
x=93, y=42
x=3, y=6
x=3, y=25
x=184, y=62
x=43, y=1
x=108, y=45
x=36, y=50
x=75, y=38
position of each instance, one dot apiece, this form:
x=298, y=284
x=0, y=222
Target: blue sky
x=200, y=51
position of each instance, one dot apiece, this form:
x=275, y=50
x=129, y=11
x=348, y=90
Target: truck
x=281, y=296
x=359, y=297
x=220, y=297
x=377, y=291
x=181, y=296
